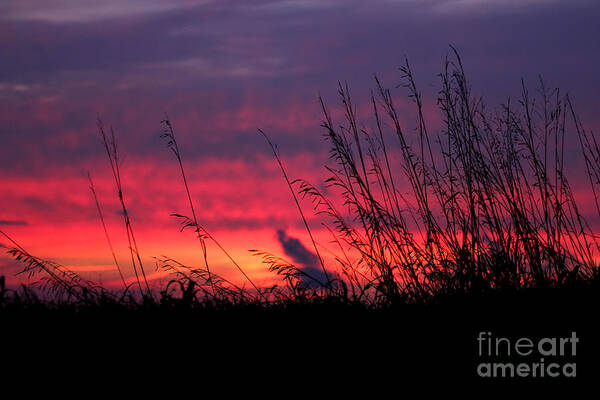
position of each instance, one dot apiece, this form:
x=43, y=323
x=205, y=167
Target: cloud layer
x=221, y=69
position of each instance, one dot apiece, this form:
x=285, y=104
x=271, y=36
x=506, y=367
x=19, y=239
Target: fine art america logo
x=546, y=357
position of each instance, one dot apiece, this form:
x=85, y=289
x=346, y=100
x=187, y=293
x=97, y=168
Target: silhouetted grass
x=483, y=206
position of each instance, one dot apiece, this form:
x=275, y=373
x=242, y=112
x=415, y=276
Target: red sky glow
x=220, y=70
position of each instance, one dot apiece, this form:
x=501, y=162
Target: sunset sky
x=222, y=69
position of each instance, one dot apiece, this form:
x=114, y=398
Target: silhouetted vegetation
x=482, y=206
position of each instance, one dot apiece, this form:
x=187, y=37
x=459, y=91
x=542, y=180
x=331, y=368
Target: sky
x=220, y=70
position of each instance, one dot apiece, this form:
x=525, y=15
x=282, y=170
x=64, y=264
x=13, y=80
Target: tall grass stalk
x=169, y=134
x=110, y=145
x=101, y=216
x=289, y=183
